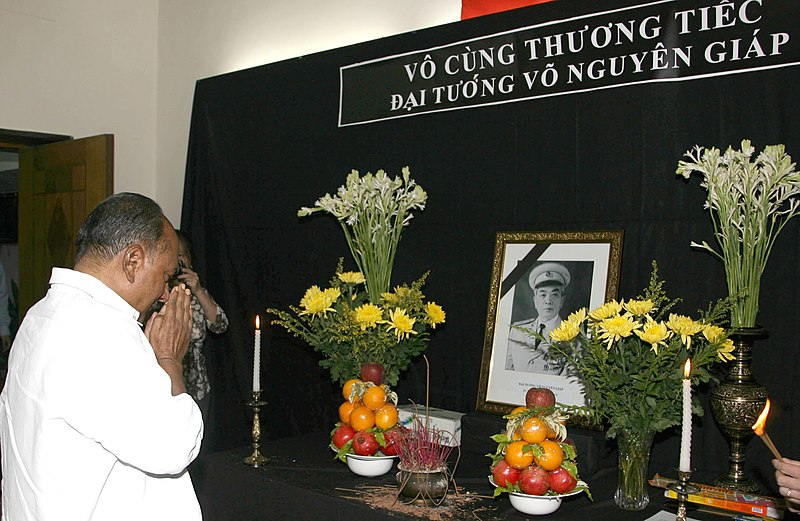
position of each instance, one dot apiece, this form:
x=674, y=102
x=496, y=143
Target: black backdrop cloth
x=265, y=142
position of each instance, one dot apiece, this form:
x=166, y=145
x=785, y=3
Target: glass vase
x=634, y=457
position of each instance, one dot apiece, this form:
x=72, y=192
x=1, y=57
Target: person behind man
x=207, y=315
x=528, y=352
x=95, y=423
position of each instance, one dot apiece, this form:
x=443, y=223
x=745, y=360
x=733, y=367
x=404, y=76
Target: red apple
x=372, y=372
x=365, y=444
x=391, y=437
x=534, y=480
x=539, y=397
x=561, y=481
x=504, y=474
x=342, y=435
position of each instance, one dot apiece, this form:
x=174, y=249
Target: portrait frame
x=592, y=259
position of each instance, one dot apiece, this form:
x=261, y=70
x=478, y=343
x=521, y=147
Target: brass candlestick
x=256, y=459
x=682, y=489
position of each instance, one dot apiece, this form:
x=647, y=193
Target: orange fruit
x=516, y=410
x=347, y=388
x=345, y=409
x=374, y=397
x=552, y=455
x=362, y=418
x=534, y=430
x=386, y=416
x=516, y=457
x=551, y=434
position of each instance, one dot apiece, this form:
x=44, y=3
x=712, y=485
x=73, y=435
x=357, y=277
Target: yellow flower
x=607, y=310
x=714, y=334
x=390, y=298
x=617, y=327
x=368, y=315
x=639, y=308
x=685, y=327
x=352, y=277
x=655, y=334
x=725, y=351
x=316, y=301
x=577, y=317
x=436, y=314
x=566, y=330
x=402, y=324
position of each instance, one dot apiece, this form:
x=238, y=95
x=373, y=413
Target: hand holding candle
x=257, y=357
x=684, y=464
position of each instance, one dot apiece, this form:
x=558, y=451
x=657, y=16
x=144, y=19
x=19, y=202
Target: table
x=304, y=482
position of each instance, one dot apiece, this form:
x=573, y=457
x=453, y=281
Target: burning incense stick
x=759, y=428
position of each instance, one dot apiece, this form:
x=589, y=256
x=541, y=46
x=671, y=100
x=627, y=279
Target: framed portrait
x=538, y=279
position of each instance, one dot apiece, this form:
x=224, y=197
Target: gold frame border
x=612, y=237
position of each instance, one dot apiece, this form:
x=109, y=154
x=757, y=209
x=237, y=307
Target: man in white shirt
x=528, y=352
x=95, y=423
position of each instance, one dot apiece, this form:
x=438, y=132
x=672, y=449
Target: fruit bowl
x=369, y=466
x=536, y=505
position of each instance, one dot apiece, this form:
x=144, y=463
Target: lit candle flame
x=758, y=426
x=687, y=368
x=258, y=322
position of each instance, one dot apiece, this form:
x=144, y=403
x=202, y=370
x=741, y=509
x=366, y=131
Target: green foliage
x=631, y=359
x=346, y=342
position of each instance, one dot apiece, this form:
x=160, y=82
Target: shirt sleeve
x=220, y=325
x=114, y=392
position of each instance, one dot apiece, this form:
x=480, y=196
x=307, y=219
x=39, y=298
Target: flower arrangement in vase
x=350, y=330
x=749, y=200
x=357, y=319
x=629, y=356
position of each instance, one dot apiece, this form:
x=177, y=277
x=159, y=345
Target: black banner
x=667, y=40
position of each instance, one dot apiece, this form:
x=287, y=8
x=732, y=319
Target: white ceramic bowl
x=369, y=466
x=536, y=505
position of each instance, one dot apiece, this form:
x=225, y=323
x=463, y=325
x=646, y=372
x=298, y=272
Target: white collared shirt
x=88, y=424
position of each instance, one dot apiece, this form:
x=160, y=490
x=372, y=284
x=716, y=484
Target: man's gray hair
x=117, y=222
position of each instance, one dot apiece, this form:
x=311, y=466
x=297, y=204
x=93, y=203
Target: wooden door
x=59, y=184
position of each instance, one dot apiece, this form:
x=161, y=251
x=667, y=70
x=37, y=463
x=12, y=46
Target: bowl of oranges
x=367, y=430
x=535, y=461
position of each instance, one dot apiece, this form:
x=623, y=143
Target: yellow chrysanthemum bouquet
x=630, y=356
x=357, y=319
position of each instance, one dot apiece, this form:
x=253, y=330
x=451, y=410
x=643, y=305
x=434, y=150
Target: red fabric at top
x=473, y=8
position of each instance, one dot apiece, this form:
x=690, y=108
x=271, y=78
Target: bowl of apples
x=535, y=461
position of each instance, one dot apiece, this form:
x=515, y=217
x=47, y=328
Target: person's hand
x=169, y=332
x=6, y=342
x=192, y=280
x=787, y=474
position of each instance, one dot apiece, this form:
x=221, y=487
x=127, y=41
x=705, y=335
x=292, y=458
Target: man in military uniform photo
x=528, y=352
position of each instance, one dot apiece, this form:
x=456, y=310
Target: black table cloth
x=304, y=482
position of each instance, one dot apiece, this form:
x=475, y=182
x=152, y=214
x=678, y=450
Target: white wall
x=128, y=68
x=81, y=68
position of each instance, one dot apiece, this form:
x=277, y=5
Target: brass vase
x=736, y=403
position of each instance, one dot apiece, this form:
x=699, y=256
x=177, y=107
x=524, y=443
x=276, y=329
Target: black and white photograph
x=538, y=279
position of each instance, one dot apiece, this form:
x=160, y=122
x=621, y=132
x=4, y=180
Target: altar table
x=304, y=482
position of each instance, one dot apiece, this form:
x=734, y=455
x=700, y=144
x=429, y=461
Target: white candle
x=686, y=432
x=257, y=357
